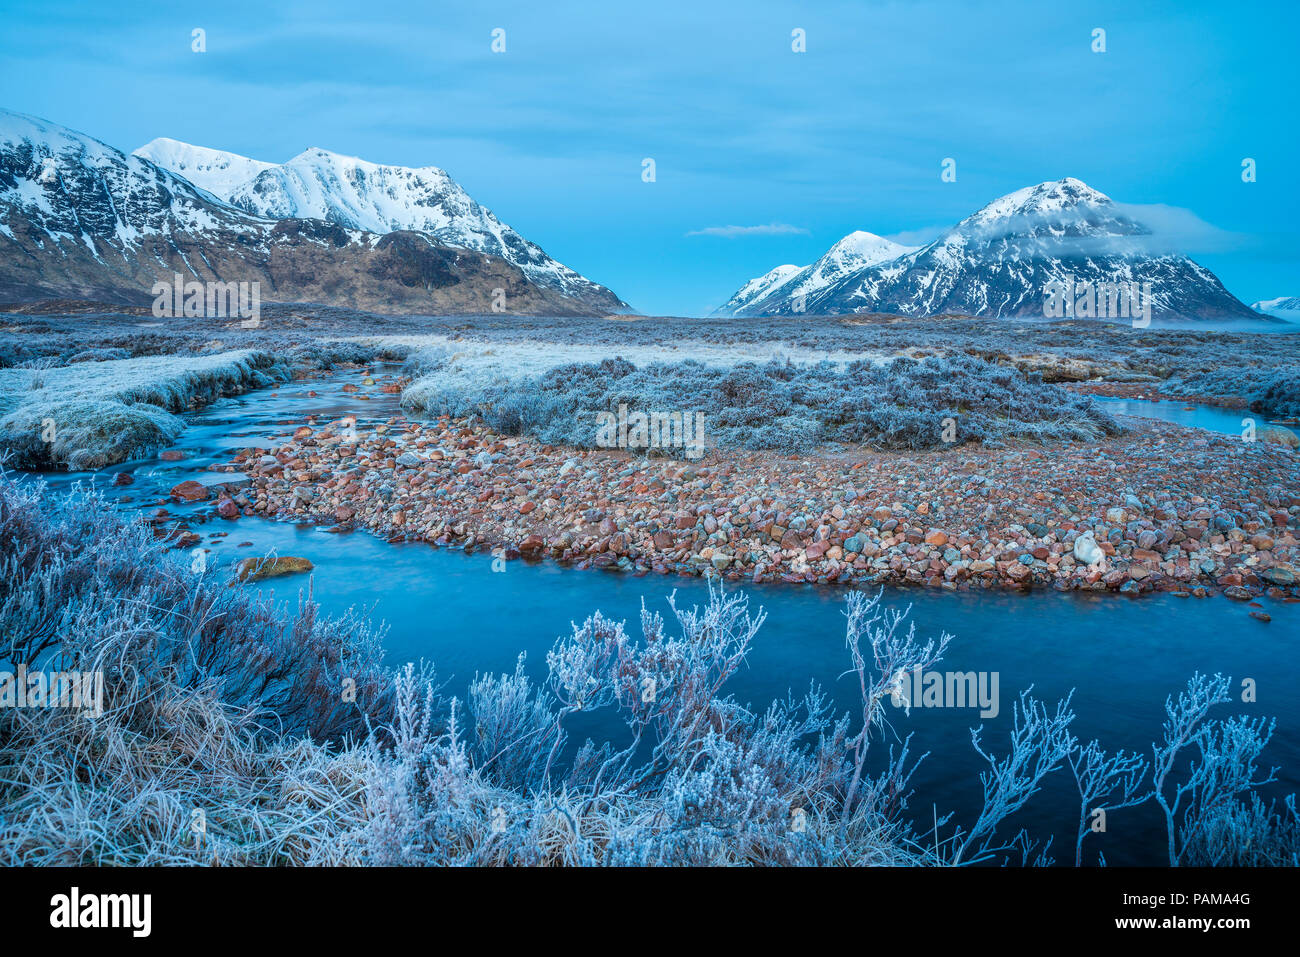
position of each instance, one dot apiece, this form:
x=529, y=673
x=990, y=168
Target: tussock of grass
x=214, y=700
x=898, y=404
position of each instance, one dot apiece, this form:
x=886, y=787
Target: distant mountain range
x=998, y=262
x=1287, y=307
x=79, y=219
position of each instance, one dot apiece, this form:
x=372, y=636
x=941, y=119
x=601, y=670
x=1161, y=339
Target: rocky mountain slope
x=357, y=194
x=79, y=219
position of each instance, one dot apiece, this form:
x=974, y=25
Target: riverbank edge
x=584, y=535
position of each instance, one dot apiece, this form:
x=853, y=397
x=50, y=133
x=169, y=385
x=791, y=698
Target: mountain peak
x=1052, y=196
x=857, y=251
x=357, y=194
x=220, y=172
x=867, y=248
x=317, y=155
x=49, y=138
x=1284, y=307
x=995, y=262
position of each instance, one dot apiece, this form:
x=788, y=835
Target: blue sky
x=744, y=132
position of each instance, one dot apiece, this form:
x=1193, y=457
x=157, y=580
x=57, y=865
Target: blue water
x=1120, y=656
x=1210, y=417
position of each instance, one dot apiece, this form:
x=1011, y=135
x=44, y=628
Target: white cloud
x=919, y=237
x=731, y=232
x=1174, y=229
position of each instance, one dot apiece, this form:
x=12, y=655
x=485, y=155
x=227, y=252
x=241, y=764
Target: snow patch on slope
x=760, y=288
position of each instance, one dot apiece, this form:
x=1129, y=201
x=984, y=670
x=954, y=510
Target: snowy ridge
x=998, y=262
x=218, y=172
x=357, y=194
x=857, y=251
x=80, y=219
x=758, y=289
x=1045, y=198
x=72, y=186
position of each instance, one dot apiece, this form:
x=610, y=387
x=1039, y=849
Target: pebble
x=1161, y=509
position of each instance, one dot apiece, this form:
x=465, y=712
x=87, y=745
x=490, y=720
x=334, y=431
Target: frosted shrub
x=1280, y=396
x=224, y=709
x=1246, y=834
x=514, y=728
x=1040, y=742
x=1201, y=809
x=1106, y=781
x=327, y=355
x=1272, y=392
x=901, y=403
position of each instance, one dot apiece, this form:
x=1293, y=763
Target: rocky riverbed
x=1171, y=509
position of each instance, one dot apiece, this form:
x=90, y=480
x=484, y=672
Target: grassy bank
x=237, y=732
x=90, y=414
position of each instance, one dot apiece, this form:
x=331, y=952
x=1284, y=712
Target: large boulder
x=257, y=569
x=1277, y=435
x=190, y=491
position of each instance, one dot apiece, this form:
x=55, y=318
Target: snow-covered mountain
x=79, y=219
x=356, y=194
x=801, y=284
x=218, y=172
x=999, y=262
x=757, y=290
x=1286, y=307
x=76, y=214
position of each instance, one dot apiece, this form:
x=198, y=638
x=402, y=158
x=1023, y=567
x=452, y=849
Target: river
x=1121, y=657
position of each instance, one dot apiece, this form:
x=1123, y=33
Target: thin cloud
x=732, y=232
x=919, y=237
x=1177, y=229
x=1127, y=229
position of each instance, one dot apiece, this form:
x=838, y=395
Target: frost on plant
x=294, y=772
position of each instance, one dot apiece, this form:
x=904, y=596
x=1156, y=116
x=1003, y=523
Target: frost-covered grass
x=279, y=731
x=1263, y=368
x=895, y=403
x=528, y=344
x=467, y=357
x=1158, y=353
x=91, y=414
x=213, y=699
